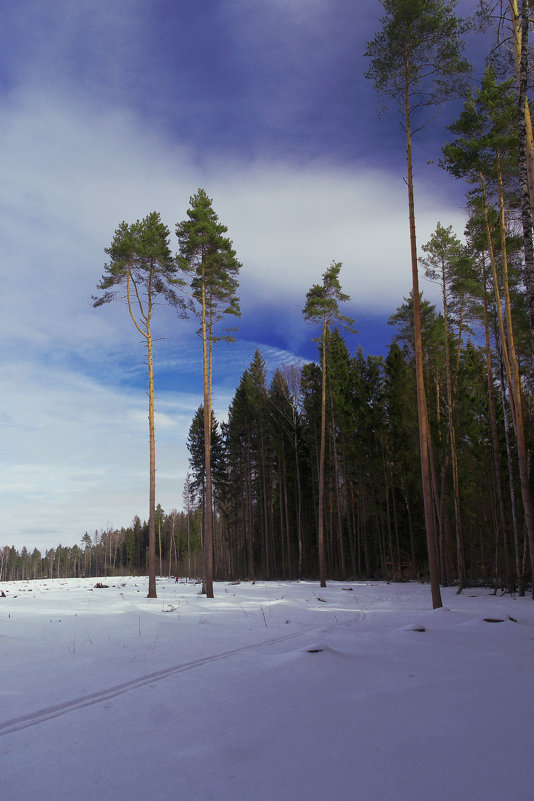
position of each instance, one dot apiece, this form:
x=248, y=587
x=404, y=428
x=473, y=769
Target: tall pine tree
x=141, y=261
x=416, y=61
x=207, y=258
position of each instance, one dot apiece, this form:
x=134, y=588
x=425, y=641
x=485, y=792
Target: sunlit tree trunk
x=460, y=561
x=146, y=332
x=506, y=333
x=424, y=428
x=494, y=432
x=520, y=19
x=320, y=511
x=520, y=28
x=207, y=545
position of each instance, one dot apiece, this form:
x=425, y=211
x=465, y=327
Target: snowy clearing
x=278, y=690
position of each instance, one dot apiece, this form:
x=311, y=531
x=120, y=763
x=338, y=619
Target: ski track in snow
x=51, y=712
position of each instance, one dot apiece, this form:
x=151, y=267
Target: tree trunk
x=339, y=515
x=267, y=521
x=147, y=334
x=511, y=365
x=320, y=513
x=520, y=25
x=494, y=431
x=299, y=501
x=511, y=481
x=460, y=560
x=207, y=547
x=424, y=429
x=526, y=151
x=517, y=409
x=152, y=504
x=250, y=539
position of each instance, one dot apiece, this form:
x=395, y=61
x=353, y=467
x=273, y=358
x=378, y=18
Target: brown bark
x=320, y=512
x=207, y=545
x=424, y=428
x=145, y=331
x=460, y=561
x=494, y=432
x=506, y=333
x=520, y=24
x=152, y=518
x=520, y=21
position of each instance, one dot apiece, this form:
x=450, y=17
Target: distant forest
x=412, y=465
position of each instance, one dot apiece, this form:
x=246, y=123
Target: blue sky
x=110, y=110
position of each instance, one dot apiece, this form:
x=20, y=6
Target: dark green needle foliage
x=209, y=261
x=141, y=259
x=419, y=51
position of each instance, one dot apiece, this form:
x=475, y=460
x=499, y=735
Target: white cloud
x=290, y=223
x=67, y=184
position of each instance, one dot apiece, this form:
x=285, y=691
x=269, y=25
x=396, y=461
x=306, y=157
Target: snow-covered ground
x=269, y=692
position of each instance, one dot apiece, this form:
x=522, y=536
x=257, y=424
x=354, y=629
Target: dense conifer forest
x=265, y=472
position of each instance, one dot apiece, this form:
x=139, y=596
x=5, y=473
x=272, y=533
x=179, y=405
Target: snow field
x=277, y=690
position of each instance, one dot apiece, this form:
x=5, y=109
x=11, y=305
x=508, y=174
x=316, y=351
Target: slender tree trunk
x=424, y=428
x=517, y=408
x=410, y=527
x=172, y=543
x=442, y=520
x=515, y=523
x=299, y=505
x=396, y=529
x=287, y=525
x=526, y=168
x=351, y=522
x=160, y=549
x=320, y=513
x=520, y=25
x=267, y=528
x=146, y=319
x=341, y=548
x=385, y=478
x=511, y=364
x=207, y=548
x=250, y=538
x=494, y=432
x=152, y=513
x=188, y=543
x=460, y=560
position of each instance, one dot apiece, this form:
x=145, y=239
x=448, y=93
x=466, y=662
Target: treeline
x=265, y=461
x=121, y=551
